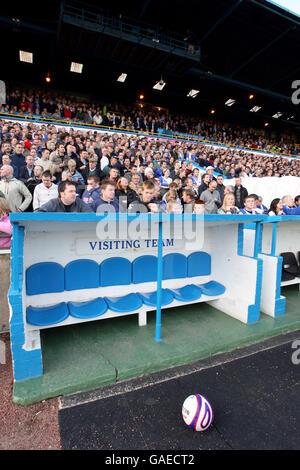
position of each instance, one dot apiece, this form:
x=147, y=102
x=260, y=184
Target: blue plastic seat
x=150, y=298
x=126, y=303
x=46, y=316
x=212, y=288
x=115, y=272
x=199, y=264
x=144, y=269
x=82, y=274
x=90, y=309
x=44, y=278
x=187, y=293
x=174, y=266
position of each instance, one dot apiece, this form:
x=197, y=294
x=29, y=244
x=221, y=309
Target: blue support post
x=274, y=238
x=159, y=281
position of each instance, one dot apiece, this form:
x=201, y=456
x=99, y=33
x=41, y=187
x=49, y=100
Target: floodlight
x=122, y=77
x=193, y=93
x=75, y=67
x=26, y=57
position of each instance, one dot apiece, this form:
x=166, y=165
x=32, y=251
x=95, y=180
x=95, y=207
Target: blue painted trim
x=258, y=240
x=159, y=282
x=254, y=310
x=279, y=218
x=280, y=303
x=89, y=216
x=26, y=364
x=250, y=226
x=274, y=239
x=240, y=243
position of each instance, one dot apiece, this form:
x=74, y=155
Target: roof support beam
x=263, y=49
x=212, y=76
x=272, y=9
x=220, y=20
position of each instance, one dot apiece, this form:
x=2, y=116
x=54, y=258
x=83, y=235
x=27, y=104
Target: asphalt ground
x=254, y=393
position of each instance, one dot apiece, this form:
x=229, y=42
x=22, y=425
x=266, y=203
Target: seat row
x=132, y=302
x=50, y=277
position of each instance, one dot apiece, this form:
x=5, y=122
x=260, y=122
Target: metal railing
x=128, y=29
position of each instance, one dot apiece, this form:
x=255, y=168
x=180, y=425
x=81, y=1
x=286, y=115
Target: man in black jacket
x=204, y=185
x=26, y=172
x=220, y=186
x=67, y=200
x=240, y=192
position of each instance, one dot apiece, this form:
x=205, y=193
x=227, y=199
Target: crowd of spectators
x=42, y=104
x=48, y=169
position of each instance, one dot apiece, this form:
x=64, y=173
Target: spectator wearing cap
x=91, y=169
x=113, y=163
x=210, y=171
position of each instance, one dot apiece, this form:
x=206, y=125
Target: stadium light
x=159, y=85
x=75, y=67
x=255, y=109
x=193, y=93
x=26, y=57
x=277, y=115
x=122, y=77
x=230, y=102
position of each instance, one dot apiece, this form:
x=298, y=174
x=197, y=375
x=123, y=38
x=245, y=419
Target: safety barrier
x=178, y=136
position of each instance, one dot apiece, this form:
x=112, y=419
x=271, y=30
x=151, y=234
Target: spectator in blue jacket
x=17, y=158
x=92, y=194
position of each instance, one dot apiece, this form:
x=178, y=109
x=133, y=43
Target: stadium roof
x=226, y=49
